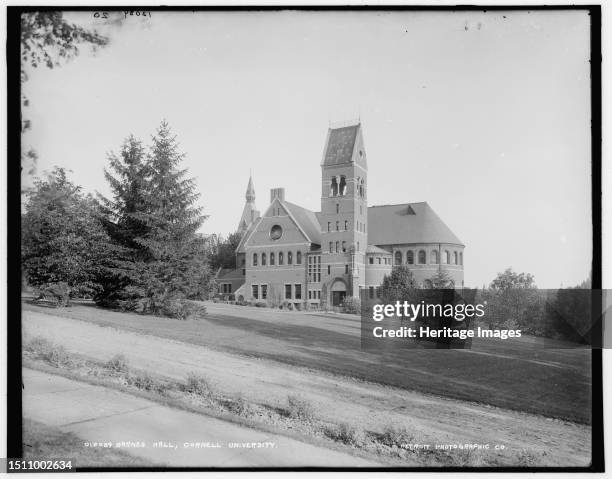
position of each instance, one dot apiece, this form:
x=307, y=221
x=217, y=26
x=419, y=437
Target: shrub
x=58, y=293
x=346, y=434
x=299, y=408
x=117, y=364
x=197, y=384
x=47, y=351
x=351, y=305
x=142, y=381
x=240, y=406
x=182, y=309
x=261, y=304
x=394, y=436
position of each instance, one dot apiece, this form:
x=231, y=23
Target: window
x=276, y=232
x=360, y=209
x=333, y=189
x=456, y=261
x=337, y=226
x=410, y=257
x=344, y=246
x=337, y=208
x=446, y=257
x=342, y=189
x=242, y=262
x=337, y=246
x=371, y=260
x=345, y=225
x=227, y=288
x=287, y=291
x=264, y=291
x=378, y=260
x=280, y=258
x=298, y=291
x=289, y=257
x=371, y=289
x=255, y=290
x=358, y=246
x=254, y=259
x=328, y=269
x=422, y=257
x=398, y=257
x=328, y=226
x=298, y=257
x=331, y=246
x=346, y=269
x=434, y=256
x=272, y=259
x=314, y=269
x=263, y=259
x=461, y=259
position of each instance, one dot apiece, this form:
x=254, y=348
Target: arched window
x=289, y=257
x=298, y=257
x=333, y=189
x=254, y=259
x=344, y=246
x=272, y=259
x=337, y=208
x=329, y=226
x=263, y=259
x=345, y=225
x=461, y=259
x=342, y=188
x=455, y=258
x=410, y=257
x=331, y=246
x=337, y=246
x=434, y=256
x=422, y=257
x=337, y=226
x=280, y=257
x=398, y=257
x=446, y=257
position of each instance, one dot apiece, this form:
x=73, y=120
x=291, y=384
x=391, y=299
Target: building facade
x=293, y=255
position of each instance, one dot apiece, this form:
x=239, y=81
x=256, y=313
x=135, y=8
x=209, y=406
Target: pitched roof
x=306, y=219
x=371, y=249
x=228, y=274
x=340, y=144
x=407, y=223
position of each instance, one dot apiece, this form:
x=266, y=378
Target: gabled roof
x=306, y=219
x=229, y=274
x=407, y=223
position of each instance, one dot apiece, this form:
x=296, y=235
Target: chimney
x=277, y=193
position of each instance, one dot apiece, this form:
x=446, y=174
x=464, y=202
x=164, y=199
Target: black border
x=14, y=377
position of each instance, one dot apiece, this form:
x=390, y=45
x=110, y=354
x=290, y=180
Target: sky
x=484, y=115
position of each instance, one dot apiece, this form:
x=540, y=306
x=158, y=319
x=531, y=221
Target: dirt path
x=98, y=414
x=371, y=406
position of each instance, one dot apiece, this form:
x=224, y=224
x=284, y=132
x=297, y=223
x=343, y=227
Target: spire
x=250, y=192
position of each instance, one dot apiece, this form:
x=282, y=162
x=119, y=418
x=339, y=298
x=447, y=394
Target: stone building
x=291, y=254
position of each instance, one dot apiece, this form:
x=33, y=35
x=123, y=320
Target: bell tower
x=344, y=212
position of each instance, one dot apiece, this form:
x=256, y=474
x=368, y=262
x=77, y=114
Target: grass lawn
x=44, y=442
x=513, y=375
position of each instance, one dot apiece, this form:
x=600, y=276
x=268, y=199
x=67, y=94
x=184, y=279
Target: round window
x=276, y=232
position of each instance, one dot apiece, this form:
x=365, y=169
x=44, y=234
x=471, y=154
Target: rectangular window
x=337, y=226
x=287, y=291
x=331, y=246
x=264, y=291
x=345, y=225
x=337, y=246
x=346, y=269
x=298, y=291
x=378, y=260
x=329, y=226
x=328, y=269
x=344, y=246
x=309, y=294
x=371, y=260
x=255, y=289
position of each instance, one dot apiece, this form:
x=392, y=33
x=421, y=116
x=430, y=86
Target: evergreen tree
x=174, y=265
x=398, y=286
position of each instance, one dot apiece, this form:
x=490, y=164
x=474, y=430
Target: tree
x=511, y=280
x=157, y=218
x=222, y=253
x=62, y=238
x=47, y=39
x=398, y=286
x=441, y=280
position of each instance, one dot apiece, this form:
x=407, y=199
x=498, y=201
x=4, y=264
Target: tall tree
x=173, y=260
x=62, y=238
x=398, y=286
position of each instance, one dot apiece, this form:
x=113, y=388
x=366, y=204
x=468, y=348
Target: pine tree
x=174, y=262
